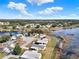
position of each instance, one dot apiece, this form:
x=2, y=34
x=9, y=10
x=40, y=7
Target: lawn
x=48, y=52
x=13, y=58
x=54, y=53
x=2, y=54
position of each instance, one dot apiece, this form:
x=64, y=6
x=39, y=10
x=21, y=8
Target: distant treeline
x=41, y=21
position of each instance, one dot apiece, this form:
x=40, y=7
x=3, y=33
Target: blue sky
x=39, y=9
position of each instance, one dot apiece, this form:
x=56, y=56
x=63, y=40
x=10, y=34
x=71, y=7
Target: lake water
x=74, y=43
x=8, y=33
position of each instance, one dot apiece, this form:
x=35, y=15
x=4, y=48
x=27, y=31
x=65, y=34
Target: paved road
x=29, y=40
x=7, y=57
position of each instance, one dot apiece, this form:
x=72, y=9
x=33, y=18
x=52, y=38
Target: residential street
x=8, y=56
x=29, y=40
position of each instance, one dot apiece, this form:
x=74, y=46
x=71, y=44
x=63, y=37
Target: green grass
x=2, y=54
x=54, y=54
x=48, y=53
x=13, y=58
x=52, y=42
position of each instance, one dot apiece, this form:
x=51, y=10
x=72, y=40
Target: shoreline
x=59, y=52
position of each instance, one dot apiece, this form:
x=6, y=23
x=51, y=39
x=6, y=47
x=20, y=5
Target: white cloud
x=19, y=6
x=73, y=15
x=51, y=10
x=69, y=16
x=39, y=2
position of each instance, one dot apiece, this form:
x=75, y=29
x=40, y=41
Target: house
x=4, y=48
x=61, y=25
x=49, y=25
x=10, y=27
x=7, y=50
x=12, y=45
x=26, y=34
x=21, y=39
x=13, y=38
x=40, y=44
x=30, y=55
x=18, y=27
x=38, y=47
x=42, y=36
x=4, y=23
x=1, y=47
x=43, y=41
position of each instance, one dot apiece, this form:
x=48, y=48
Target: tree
x=36, y=31
x=17, y=49
x=38, y=26
x=28, y=26
x=4, y=38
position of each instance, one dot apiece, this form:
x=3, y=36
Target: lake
x=73, y=45
x=8, y=33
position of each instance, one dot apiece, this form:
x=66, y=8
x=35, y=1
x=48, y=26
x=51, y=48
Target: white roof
x=43, y=41
x=13, y=37
x=6, y=50
x=12, y=45
x=37, y=47
x=42, y=35
x=22, y=36
x=19, y=35
x=31, y=55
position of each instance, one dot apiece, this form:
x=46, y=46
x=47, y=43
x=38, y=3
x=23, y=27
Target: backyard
x=2, y=54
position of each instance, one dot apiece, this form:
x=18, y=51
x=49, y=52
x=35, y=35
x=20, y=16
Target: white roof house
x=21, y=36
x=40, y=44
x=7, y=50
x=12, y=45
x=38, y=47
x=31, y=55
x=13, y=38
x=43, y=41
x=42, y=35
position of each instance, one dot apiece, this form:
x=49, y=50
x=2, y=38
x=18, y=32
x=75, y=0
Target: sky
x=39, y=9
